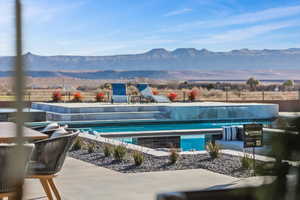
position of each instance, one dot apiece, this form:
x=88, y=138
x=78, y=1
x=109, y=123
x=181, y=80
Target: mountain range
x=163, y=60
x=167, y=75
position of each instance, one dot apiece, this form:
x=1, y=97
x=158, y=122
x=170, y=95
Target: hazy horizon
x=147, y=50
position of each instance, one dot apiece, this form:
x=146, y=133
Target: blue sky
x=106, y=27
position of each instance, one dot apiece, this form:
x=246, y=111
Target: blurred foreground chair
x=8, y=173
x=47, y=160
x=247, y=193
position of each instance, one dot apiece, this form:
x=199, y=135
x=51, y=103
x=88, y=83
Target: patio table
x=8, y=133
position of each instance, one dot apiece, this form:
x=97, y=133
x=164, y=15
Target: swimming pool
x=185, y=142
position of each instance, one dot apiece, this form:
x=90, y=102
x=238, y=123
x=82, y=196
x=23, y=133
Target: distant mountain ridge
x=113, y=75
x=167, y=75
x=161, y=59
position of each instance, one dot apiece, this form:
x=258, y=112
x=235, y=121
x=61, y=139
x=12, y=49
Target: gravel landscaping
x=225, y=164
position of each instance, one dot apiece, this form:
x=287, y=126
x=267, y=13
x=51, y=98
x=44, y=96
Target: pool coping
x=210, y=131
x=181, y=104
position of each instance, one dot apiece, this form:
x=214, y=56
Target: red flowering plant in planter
x=77, y=97
x=155, y=92
x=56, y=96
x=100, y=97
x=193, y=94
x=172, y=96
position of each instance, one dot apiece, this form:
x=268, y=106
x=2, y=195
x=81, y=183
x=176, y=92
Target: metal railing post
x=19, y=77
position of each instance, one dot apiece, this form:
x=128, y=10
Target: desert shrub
x=120, y=152
x=247, y=162
x=100, y=97
x=56, y=96
x=9, y=93
x=211, y=93
x=86, y=88
x=215, y=93
x=172, y=96
x=77, y=97
x=78, y=144
x=253, y=83
x=91, y=148
x=108, y=150
x=174, y=156
x=213, y=149
x=237, y=93
x=132, y=90
x=138, y=158
x=204, y=92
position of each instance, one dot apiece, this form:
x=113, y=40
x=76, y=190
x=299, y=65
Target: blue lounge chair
x=146, y=92
x=119, y=93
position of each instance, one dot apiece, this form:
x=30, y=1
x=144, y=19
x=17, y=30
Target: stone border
x=101, y=142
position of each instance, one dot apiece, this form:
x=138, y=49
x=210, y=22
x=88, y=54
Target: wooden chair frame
x=9, y=195
x=48, y=185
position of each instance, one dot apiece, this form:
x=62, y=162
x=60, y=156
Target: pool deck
x=80, y=181
x=33, y=115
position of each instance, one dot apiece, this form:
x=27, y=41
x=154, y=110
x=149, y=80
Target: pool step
x=119, y=121
x=97, y=108
x=53, y=116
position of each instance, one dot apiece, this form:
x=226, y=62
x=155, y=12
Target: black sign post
x=253, y=137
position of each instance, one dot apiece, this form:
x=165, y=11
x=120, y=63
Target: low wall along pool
x=184, y=141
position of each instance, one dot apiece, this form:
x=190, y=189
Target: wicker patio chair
x=47, y=160
x=9, y=174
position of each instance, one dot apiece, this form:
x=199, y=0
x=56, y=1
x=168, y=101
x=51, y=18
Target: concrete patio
x=80, y=181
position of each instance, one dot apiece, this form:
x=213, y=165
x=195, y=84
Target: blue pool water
x=162, y=126
x=187, y=142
